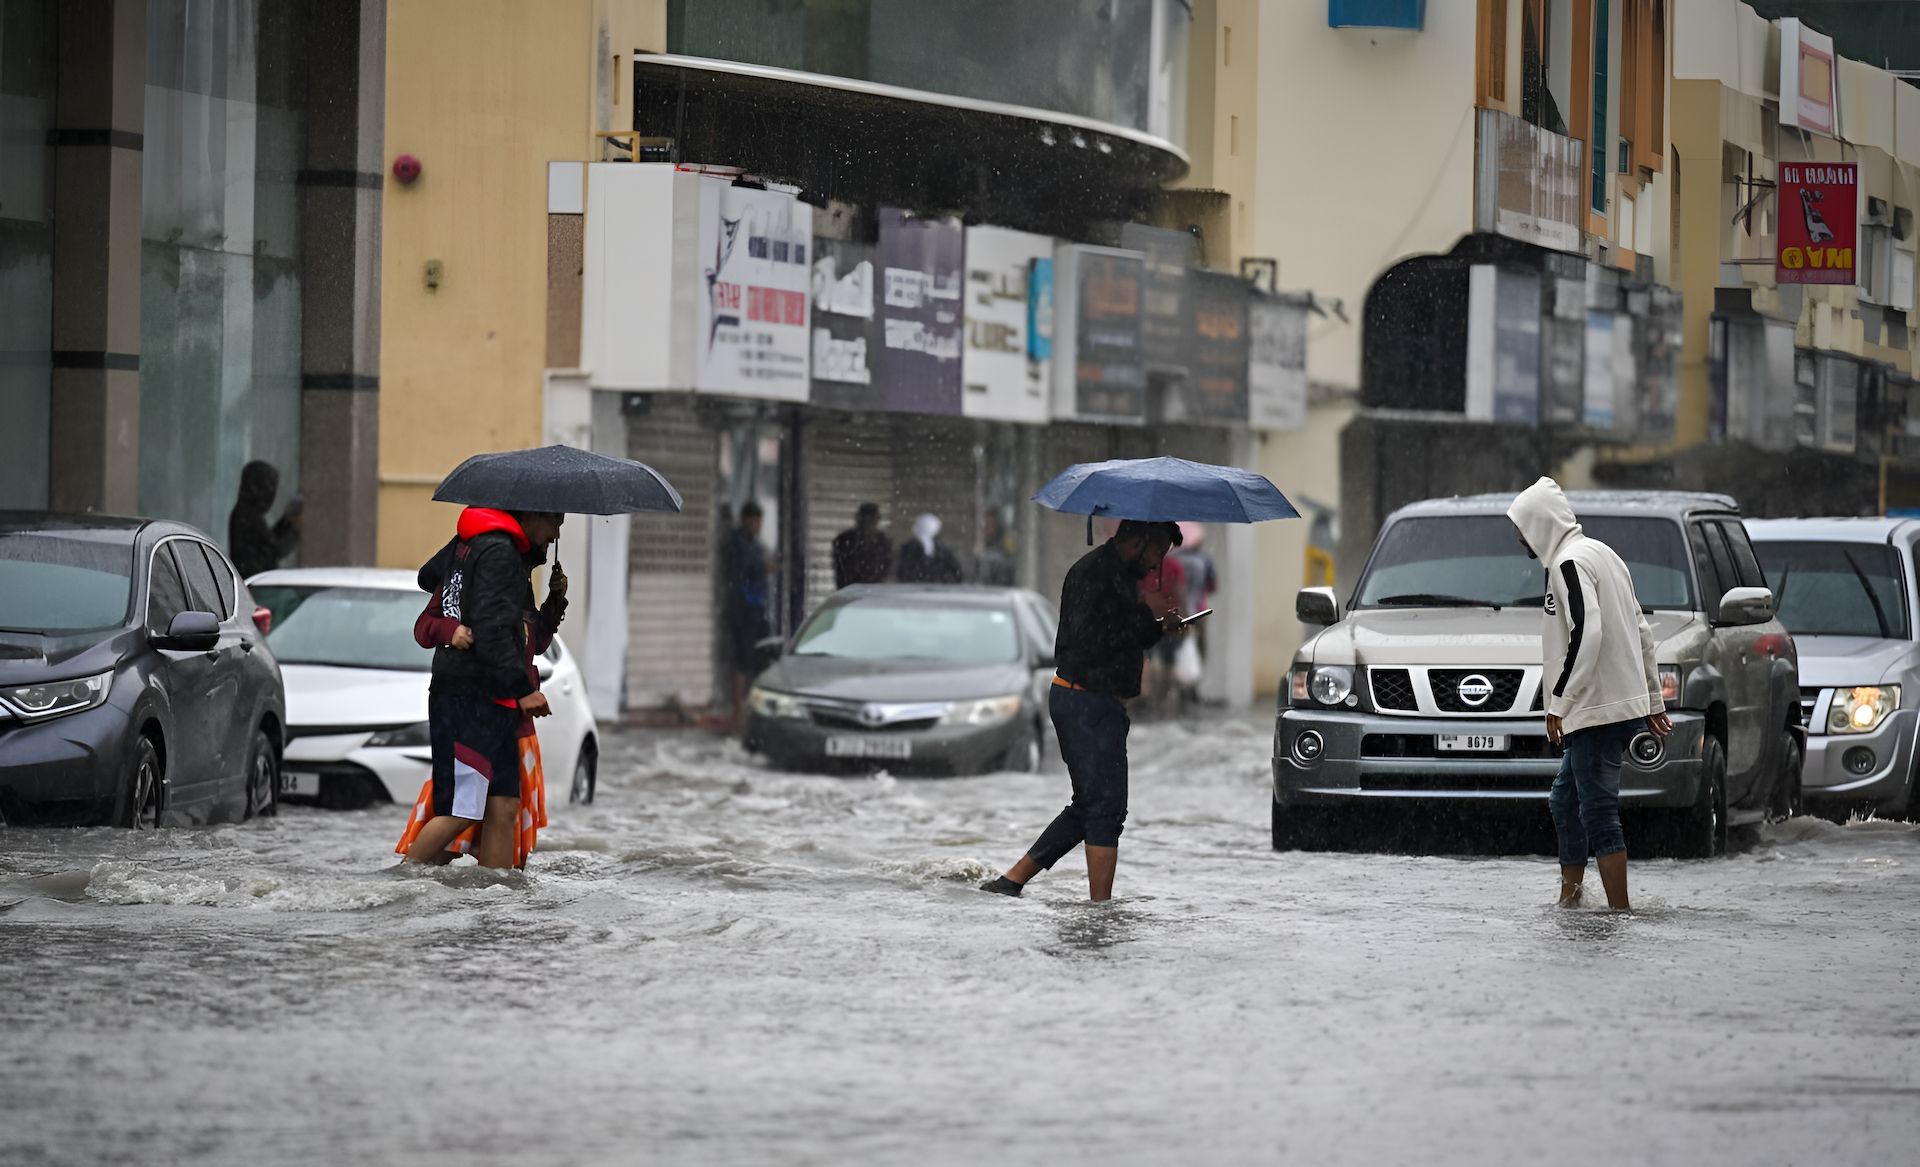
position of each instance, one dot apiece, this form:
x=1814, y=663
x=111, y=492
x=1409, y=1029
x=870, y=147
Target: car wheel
x=1023, y=757
x=1785, y=802
x=263, y=778
x=585, y=774
x=1702, y=827
x=143, y=797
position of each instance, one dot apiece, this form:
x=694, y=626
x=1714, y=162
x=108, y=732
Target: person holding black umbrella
x=1106, y=627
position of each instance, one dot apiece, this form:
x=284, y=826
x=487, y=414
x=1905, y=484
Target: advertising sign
x=1277, y=362
x=1040, y=310
x=1165, y=314
x=1001, y=380
x=919, y=266
x=1096, y=350
x=1806, y=77
x=753, y=334
x=1819, y=202
x=1215, y=388
x=846, y=329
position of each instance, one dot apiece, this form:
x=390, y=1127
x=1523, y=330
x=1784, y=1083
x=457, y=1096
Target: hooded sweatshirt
x=1596, y=646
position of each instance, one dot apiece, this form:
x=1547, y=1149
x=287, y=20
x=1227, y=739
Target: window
x=1233, y=135
x=878, y=630
x=166, y=594
x=63, y=581
x=202, y=592
x=1226, y=45
x=1746, y=567
x=1837, y=589
x=362, y=628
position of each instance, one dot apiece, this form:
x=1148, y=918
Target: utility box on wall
x=1407, y=14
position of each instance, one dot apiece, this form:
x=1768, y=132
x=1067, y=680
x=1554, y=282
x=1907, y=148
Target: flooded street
x=719, y=964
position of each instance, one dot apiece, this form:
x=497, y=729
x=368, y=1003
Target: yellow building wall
x=485, y=93
x=1223, y=109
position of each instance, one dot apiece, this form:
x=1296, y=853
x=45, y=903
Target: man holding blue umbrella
x=1105, y=631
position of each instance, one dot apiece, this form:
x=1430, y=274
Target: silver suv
x=1427, y=689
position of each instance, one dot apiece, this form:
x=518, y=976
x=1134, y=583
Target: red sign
x=1818, y=202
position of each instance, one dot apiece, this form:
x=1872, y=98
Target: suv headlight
x=1331, y=684
x=1862, y=709
x=768, y=703
x=417, y=734
x=57, y=698
x=985, y=711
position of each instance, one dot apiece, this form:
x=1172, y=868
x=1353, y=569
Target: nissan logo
x=1474, y=690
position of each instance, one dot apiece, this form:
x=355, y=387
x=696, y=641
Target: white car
x=356, y=687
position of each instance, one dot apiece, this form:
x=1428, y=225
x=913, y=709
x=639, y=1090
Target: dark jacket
x=254, y=545
x=484, y=582
x=1104, y=628
x=861, y=559
x=916, y=566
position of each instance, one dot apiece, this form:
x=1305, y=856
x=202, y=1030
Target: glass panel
x=1837, y=589
x=220, y=291
x=202, y=585
x=26, y=248
x=166, y=594
x=882, y=631
x=1743, y=561
x=1655, y=555
x=65, y=581
x=367, y=628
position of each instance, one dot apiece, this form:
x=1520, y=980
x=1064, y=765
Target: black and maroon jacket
x=481, y=579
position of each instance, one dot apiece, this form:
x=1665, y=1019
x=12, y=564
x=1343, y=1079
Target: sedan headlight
x=418, y=734
x=768, y=703
x=57, y=698
x=1331, y=684
x=985, y=711
x=1862, y=709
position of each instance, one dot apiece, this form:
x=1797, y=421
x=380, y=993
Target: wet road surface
x=720, y=964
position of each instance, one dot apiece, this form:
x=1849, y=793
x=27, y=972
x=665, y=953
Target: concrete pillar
x=99, y=117
x=340, y=292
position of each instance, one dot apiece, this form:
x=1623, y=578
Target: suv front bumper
x=1345, y=774
x=1887, y=786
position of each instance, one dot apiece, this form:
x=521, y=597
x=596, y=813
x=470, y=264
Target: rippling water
x=719, y=964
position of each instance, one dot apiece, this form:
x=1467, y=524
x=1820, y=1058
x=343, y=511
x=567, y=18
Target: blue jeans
x=1092, y=729
x=1585, y=797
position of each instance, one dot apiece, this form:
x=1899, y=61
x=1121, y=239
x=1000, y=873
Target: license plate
x=300, y=782
x=870, y=747
x=1471, y=743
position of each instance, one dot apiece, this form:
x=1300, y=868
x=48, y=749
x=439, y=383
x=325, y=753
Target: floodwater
x=719, y=964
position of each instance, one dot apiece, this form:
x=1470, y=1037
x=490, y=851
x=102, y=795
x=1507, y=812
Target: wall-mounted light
x=406, y=168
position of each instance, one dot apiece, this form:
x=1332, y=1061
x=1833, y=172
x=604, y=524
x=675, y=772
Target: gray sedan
x=913, y=679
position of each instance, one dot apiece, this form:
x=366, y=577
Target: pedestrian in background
x=254, y=545
x=924, y=559
x=1164, y=589
x=1598, y=657
x=862, y=554
x=1105, y=630
x=743, y=612
x=994, y=564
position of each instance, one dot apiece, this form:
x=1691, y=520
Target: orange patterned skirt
x=533, y=809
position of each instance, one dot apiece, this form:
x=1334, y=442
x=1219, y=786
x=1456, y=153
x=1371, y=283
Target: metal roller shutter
x=848, y=463
x=670, y=612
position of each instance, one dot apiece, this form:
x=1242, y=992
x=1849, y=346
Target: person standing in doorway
x=1604, y=689
x=994, y=564
x=924, y=559
x=743, y=573
x=863, y=553
x=1105, y=630
x=255, y=546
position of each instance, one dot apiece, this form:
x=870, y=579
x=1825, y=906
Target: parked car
x=1847, y=594
x=357, y=691
x=135, y=686
x=1426, y=687
x=938, y=679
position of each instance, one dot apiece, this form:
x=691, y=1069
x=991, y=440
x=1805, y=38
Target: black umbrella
x=559, y=479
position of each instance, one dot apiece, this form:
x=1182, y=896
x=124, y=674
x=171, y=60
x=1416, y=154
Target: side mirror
x=1746, y=606
x=1316, y=606
x=191, y=632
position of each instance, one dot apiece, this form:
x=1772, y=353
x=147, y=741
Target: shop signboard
x=1098, y=371
x=1806, y=78
x=1040, y=310
x=846, y=328
x=1277, y=362
x=920, y=266
x=1503, y=345
x=1166, y=315
x=1001, y=380
x=1215, y=388
x=1819, y=204
x=753, y=336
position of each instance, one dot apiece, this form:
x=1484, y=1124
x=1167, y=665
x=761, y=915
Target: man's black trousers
x=1092, y=729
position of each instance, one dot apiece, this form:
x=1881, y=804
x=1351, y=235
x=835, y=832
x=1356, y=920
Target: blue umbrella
x=1170, y=490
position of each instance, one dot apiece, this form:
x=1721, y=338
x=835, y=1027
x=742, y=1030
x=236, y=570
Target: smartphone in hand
x=1202, y=614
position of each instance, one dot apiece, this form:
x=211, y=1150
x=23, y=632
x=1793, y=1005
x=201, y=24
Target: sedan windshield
x=64, y=581
x=361, y=628
x=1836, y=589
x=1476, y=561
x=876, y=630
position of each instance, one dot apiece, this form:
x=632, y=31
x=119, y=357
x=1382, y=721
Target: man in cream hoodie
x=1602, y=688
